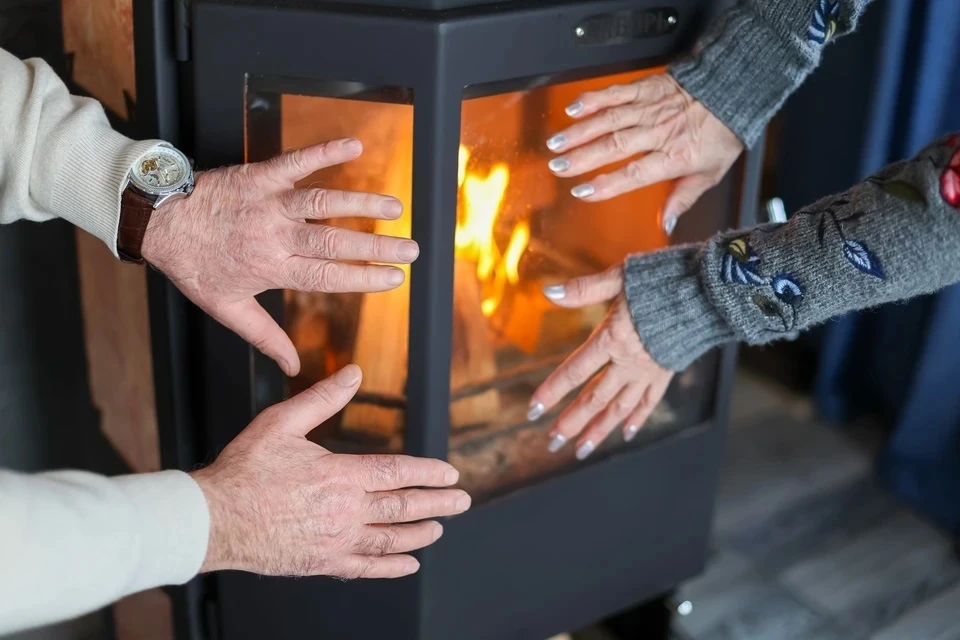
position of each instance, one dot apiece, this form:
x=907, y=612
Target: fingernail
x=411, y=566
x=583, y=190
x=558, y=165
x=394, y=277
x=349, y=375
x=451, y=476
x=557, y=142
x=585, y=449
x=555, y=292
x=437, y=531
x=574, y=108
x=391, y=208
x=408, y=250
x=463, y=503
x=352, y=146
x=669, y=223
x=630, y=433
x=534, y=412
x=556, y=443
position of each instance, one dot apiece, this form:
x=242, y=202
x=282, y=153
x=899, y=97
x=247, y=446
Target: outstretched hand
x=679, y=139
x=244, y=231
x=625, y=383
x=282, y=505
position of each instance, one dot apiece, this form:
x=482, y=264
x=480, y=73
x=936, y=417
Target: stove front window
x=518, y=229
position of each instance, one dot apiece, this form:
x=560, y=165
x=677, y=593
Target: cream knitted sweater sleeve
x=59, y=158
x=72, y=542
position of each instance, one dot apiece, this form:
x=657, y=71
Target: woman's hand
x=656, y=117
x=629, y=383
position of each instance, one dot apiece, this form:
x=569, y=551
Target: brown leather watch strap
x=135, y=212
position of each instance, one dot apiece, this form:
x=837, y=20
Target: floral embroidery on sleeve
x=739, y=263
x=826, y=16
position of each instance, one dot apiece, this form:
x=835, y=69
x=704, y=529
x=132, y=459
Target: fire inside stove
x=518, y=229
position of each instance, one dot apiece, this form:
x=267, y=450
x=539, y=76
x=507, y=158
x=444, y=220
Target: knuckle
x=383, y=469
x=327, y=242
x=634, y=172
x=328, y=277
x=620, y=407
x=320, y=203
x=320, y=395
x=619, y=142
x=595, y=401
x=613, y=118
x=391, y=507
x=377, y=246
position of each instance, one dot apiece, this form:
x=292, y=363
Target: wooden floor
x=806, y=547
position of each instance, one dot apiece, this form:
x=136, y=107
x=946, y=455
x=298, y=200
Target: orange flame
x=482, y=200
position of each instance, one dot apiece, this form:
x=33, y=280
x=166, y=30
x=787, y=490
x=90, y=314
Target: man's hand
x=675, y=136
x=244, y=231
x=281, y=505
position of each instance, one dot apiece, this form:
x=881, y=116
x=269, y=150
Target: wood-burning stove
x=454, y=100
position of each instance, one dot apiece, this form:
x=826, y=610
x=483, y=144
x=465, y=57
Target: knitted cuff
x=670, y=309
x=744, y=68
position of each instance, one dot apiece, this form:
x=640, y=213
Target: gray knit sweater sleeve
x=756, y=54
x=895, y=236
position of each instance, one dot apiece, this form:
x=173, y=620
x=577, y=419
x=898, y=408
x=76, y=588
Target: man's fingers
x=332, y=276
x=575, y=370
x=251, y=322
x=642, y=172
x=303, y=412
x=390, y=472
x=685, y=193
x=378, y=540
x=587, y=290
x=321, y=204
x=408, y=505
x=360, y=566
x=334, y=243
x=289, y=167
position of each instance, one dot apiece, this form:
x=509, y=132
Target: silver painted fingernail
x=630, y=433
x=557, y=142
x=585, y=449
x=669, y=224
x=574, y=108
x=555, y=292
x=556, y=443
x=534, y=412
x=583, y=190
x=558, y=165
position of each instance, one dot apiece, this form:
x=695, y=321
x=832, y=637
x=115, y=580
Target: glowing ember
x=482, y=199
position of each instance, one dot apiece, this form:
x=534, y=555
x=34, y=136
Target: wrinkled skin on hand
x=244, y=231
x=624, y=384
x=281, y=505
x=672, y=136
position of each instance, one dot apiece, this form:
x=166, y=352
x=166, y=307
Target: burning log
x=381, y=344
x=474, y=357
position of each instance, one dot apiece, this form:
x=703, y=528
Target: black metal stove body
x=541, y=559
x=551, y=556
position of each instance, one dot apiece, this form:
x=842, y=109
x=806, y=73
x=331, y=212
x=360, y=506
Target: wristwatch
x=158, y=175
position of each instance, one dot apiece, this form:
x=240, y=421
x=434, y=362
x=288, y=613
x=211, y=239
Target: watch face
x=160, y=171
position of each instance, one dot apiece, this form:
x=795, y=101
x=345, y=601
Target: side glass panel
x=518, y=230
x=98, y=40
x=331, y=331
